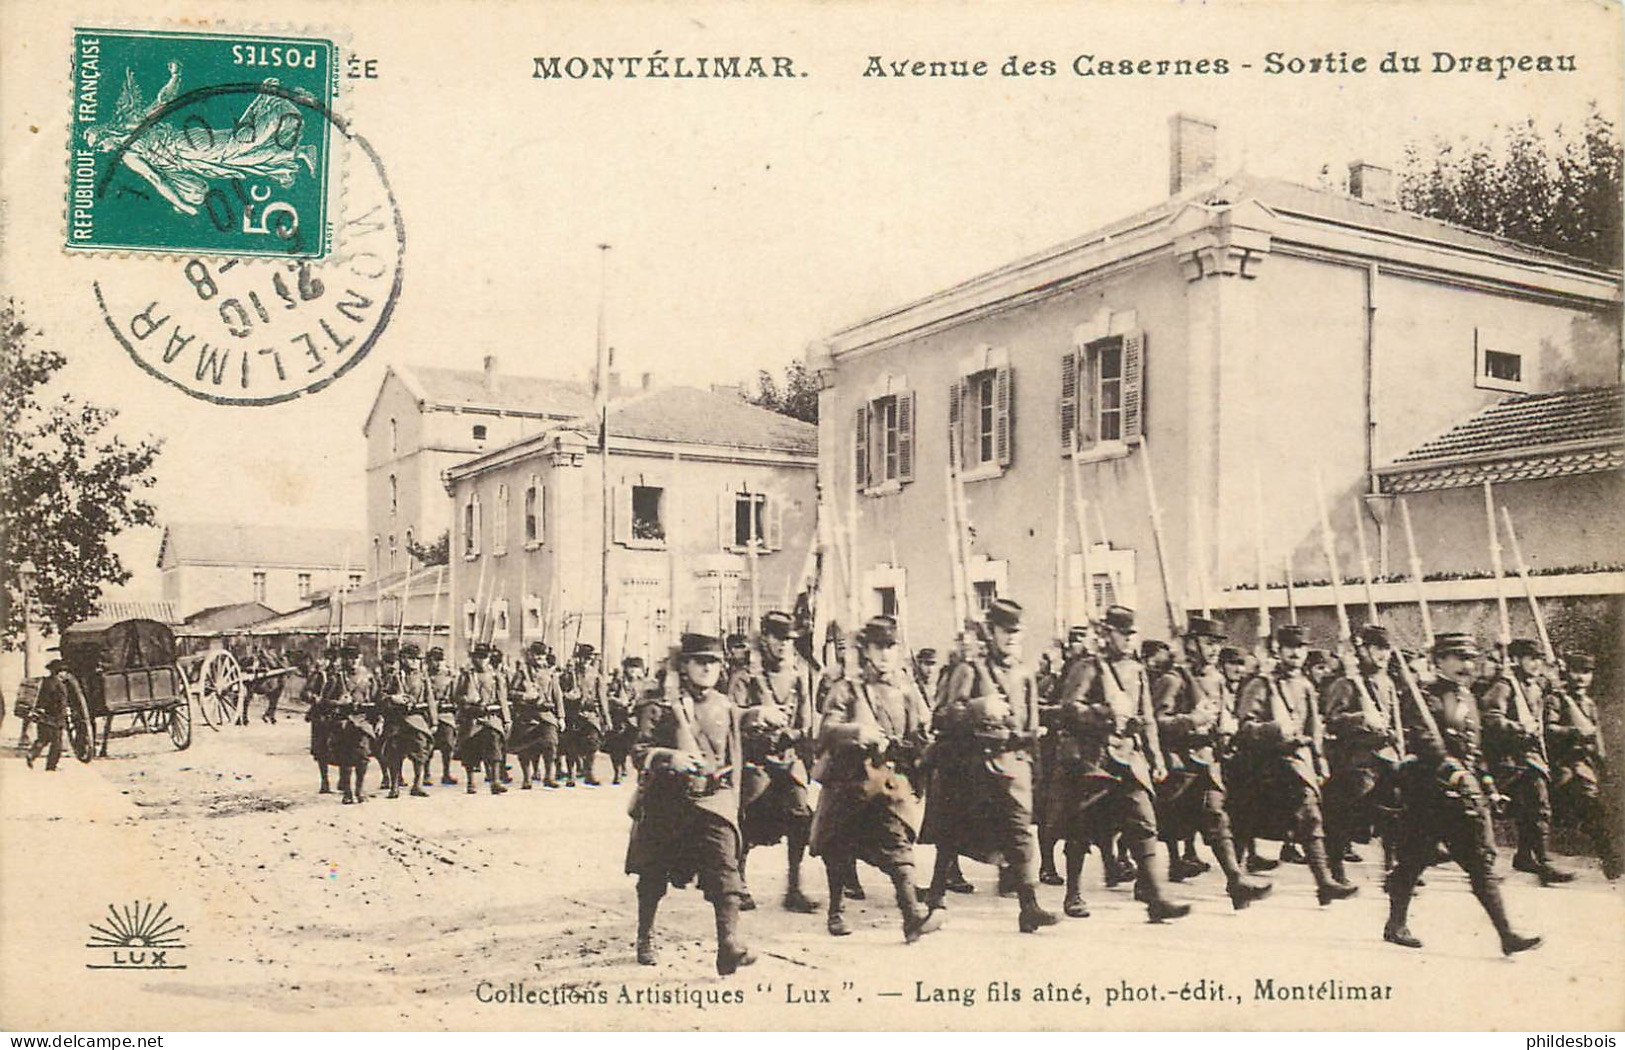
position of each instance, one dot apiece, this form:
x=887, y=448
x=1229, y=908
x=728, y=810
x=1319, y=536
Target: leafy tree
x=68, y=484
x=796, y=397
x=436, y=553
x=1558, y=190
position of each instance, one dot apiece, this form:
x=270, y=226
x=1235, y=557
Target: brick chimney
x=1193, y=147
x=490, y=374
x=1371, y=182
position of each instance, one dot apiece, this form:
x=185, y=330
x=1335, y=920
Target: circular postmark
x=259, y=329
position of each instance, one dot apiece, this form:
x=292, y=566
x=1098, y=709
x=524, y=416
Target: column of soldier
x=1130, y=752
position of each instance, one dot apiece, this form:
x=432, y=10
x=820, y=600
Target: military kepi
x=701, y=646
x=1005, y=614
x=1519, y=648
x=1291, y=636
x=1120, y=618
x=1457, y=643
x=1204, y=627
x=880, y=631
x=777, y=624
x=1375, y=634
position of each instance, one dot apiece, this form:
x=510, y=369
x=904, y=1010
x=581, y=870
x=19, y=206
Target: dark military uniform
x=483, y=732
x=321, y=715
x=1445, y=802
x=409, y=717
x=1579, y=760
x=685, y=816
x=872, y=736
x=586, y=713
x=1364, y=747
x=351, y=693
x=1512, y=709
x=623, y=722
x=1281, y=733
x=538, y=715
x=441, y=684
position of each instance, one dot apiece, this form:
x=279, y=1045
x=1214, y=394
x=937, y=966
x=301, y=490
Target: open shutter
x=725, y=517
x=1069, y=399
x=860, y=445
x=956, y=403
x=623, y=513
x=1004, y=401
x=1088, y=398
x=541, y=511
x=774, y=512
x=479, y=524
x=905, y=436
x=1133, y=386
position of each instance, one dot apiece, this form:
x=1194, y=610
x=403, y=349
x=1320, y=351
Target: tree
x=68, y=485
x=436, y=553
x=798, y=397
x=1558, y=190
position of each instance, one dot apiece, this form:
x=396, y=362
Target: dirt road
x=512, y=912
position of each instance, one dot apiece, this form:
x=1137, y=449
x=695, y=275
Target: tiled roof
x=161, y=610
x=1523, y=437
x=457, y=386
x=692, y=416
x=267, y=545
x=225, y=617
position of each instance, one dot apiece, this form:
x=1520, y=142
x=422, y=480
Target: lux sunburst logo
x=137, y=936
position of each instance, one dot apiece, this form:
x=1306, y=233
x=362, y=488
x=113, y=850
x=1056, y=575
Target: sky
x=746, y=218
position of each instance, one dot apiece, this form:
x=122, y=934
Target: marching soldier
x=1195, y=721
x=537, y=707
x=1444, y=800
x=319, y=713
x=1057, y=751
x=981, y=797
x=871, y=738
x=1280, y=728
x=485, y=720
x=441, y=684
x=409, y=719
x=623, y=723
x=925, y=672
x=1579, y=757
x=685, y=817
x=1512, y=710
x=777, y=724
x=586, y=712
x=351, y=693
x=1107, y=709
x=1365, y=745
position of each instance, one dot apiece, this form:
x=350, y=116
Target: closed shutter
x=860, y=445
x=1088, y=397
x=1133, y=386
x=774, y=512
x=905, y=436
x=541, y=512
x=956, y=446
x=1069, y=399
x=1004, y=402
x=623, y=513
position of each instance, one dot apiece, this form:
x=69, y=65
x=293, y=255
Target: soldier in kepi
x=586, y=713
x=872, y=736
x=685, y=817
x=537, y=707
x=777, y=724
x=409, y=718
x=980, y=802
x=1579, y=759
x=485, y=721
x=1365, y=746
x=624, y=698
x=352, y=694
x=1443, y=798
x=1280, y=727
x=441, y=683
x=1512, y=710
x=319, y=712
x=1195, y=722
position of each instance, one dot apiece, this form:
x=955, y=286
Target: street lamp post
x=26, y=574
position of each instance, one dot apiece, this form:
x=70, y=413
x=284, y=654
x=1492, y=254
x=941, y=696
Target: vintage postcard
x=811, y=516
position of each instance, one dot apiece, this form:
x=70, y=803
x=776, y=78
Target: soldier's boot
x=1335, y=860
x=918, y=920
x=794, y=899
x=936, y=896
x=344, y=786
x=648, y=904
x=1073, y=904
x=493, y=776
x=1195, y=863
x=1257, y=864
x=446, y=779
x=1550, y=874
x=1242, y=888
x=327, y=786
x=1033, y=917
x=1009, y=882
x=1291, y=854
x=1327, y=887
x=1149, y=888
x=836, y=878
x=361, y=783
x=1397, y=930
x=1488, y=891
x=732, y=952
x=393, y=782
x=590, y=773
x=957, y=883
x=746, y=901
x=550, y=769
x=420, y=777
x=468, y=775
x=1046, y=861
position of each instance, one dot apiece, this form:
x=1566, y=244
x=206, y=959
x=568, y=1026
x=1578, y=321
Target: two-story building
x=205, y=564
x=1239, y=344
x=710, y=512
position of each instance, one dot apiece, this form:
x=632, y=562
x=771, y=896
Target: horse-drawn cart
x=126, y=667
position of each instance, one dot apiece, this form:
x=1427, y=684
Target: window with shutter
x=905, y=436
x=1004, y=396
x=499, y=530
x=775, y=524
x=860, y=446
x=1133, y=386
x=1069, y=400
x=622, y=518
x=956, y=410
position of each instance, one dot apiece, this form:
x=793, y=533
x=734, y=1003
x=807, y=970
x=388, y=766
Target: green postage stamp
x=201, y=144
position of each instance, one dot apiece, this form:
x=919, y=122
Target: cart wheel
x=221, y=690
x=81, y=727
x=180, y=723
